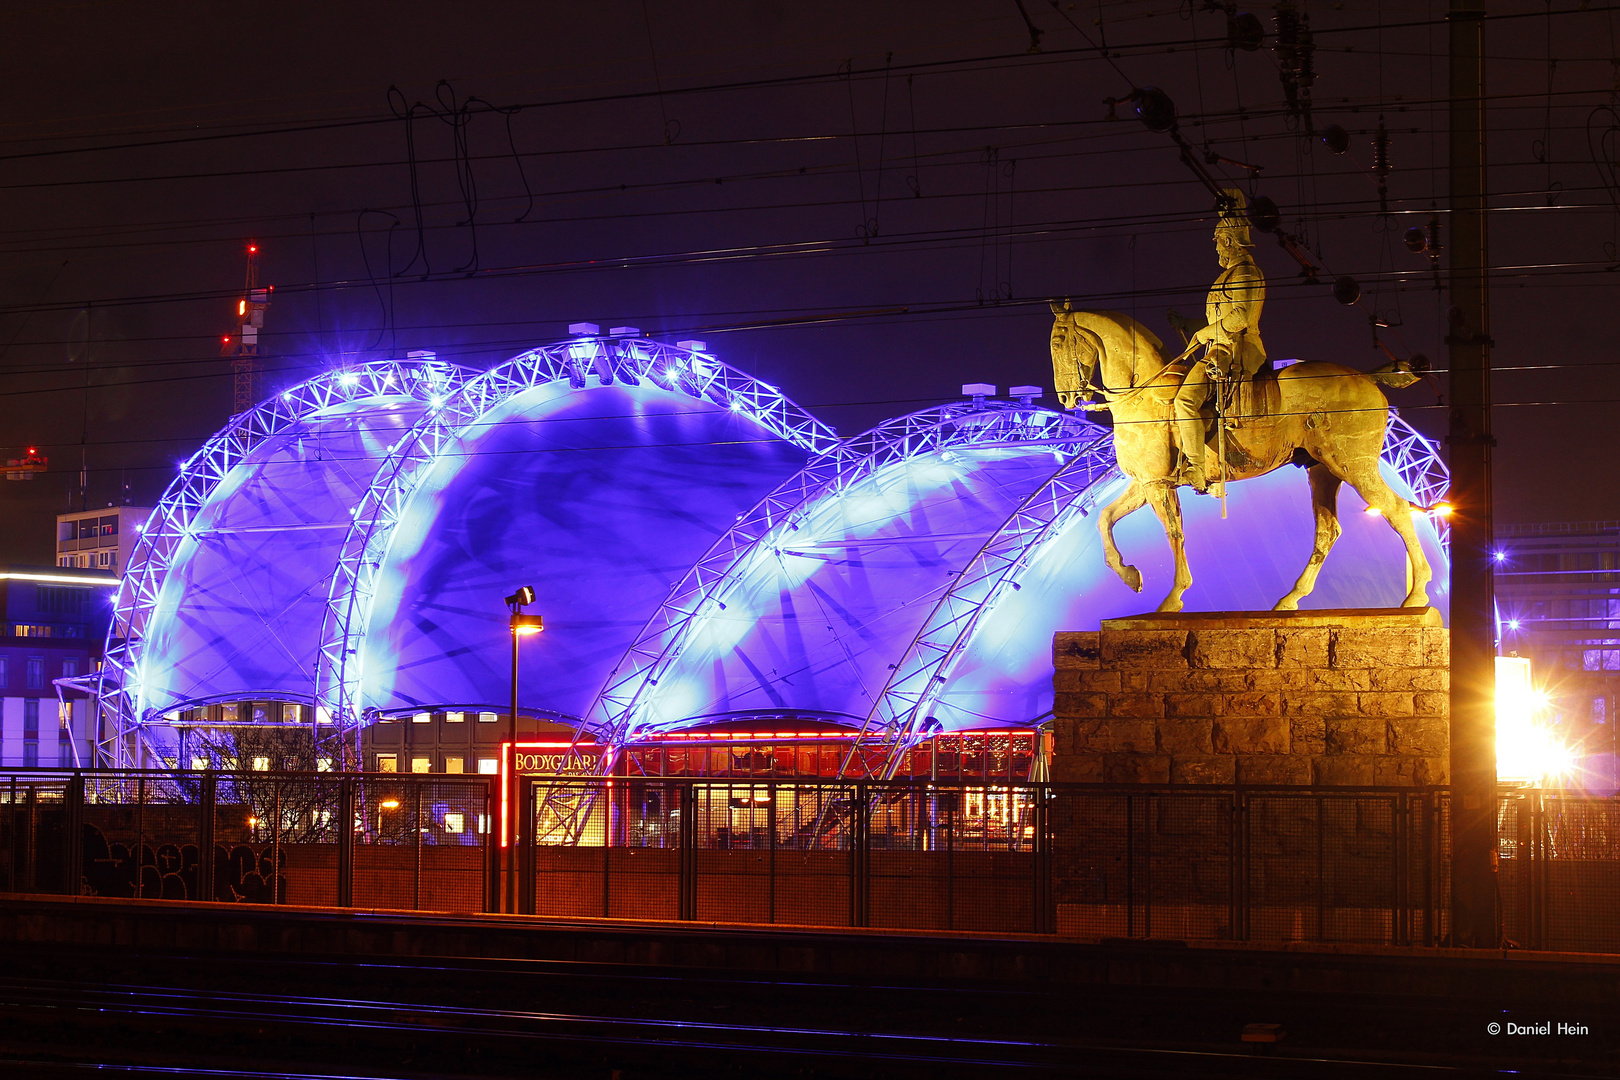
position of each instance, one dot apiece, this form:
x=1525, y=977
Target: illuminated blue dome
x=700, y=547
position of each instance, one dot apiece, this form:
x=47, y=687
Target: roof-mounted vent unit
x=584, y=329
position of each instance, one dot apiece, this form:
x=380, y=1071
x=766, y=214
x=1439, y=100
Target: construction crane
x=243, y=346
x=25, y=468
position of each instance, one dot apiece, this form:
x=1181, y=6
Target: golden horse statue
x=1329, y=417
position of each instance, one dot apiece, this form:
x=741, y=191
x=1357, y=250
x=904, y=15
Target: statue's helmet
x=1234, y=222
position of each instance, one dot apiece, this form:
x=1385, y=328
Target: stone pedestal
x=1355, y=698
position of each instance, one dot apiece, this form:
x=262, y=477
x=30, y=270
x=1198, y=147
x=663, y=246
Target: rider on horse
x=1230, y=336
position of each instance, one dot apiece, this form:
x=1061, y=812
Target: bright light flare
x=390, y=804
x=1527, y=750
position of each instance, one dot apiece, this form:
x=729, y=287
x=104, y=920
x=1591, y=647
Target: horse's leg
x=1398, y=512
x=1324, y=501
x=1131, y=499
x=1166, y=503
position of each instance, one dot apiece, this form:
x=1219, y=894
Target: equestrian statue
x=1217, y=413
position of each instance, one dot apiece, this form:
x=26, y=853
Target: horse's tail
x=1399, y=374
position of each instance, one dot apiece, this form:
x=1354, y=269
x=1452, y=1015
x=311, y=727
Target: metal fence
x=416, y=842
x=1211, y=863
x=1200, y=862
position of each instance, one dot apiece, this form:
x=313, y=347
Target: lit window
x=388, y=763
x=199, y=763
x=455, y=765
x=421, y=764
x=261, y=764
x=454, y=717
x=483, y=823
x=486, y=718
x=289, y=714
x=488, y=766
x=421, y=718
x=454, y=823
x=323, y=764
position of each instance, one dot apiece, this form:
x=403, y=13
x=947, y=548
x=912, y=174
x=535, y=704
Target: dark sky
x=866, y=204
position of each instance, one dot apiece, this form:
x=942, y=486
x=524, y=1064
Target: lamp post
x=520, y=624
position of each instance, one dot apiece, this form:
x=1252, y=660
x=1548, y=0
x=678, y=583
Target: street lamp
x=520, y=625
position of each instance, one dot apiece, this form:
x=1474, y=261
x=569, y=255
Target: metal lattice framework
x=1417, y=462
x=764, y=531
x=901, y=709
x=170, y=526
x=450, y=419
x=458, y=401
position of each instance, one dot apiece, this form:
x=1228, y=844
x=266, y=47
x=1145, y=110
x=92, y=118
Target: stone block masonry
x=1353, y=697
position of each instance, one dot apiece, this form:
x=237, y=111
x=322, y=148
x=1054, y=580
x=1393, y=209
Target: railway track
x=162, y=1013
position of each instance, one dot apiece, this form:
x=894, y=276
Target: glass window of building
x=455, y=764
x=289, y=713
x=36, y=673
x=486, y=718
x=455, y=717
x=421, y=717
x=388, y=763
x=421, y=764
x=30, y=718
x=488, y=766
x=5, y=672
x=70, y=667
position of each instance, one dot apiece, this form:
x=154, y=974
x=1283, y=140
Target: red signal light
x=252, y=248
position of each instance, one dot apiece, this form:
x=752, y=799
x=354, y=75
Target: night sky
x=865, y=204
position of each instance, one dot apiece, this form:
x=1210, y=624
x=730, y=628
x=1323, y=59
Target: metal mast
x=1473, y=644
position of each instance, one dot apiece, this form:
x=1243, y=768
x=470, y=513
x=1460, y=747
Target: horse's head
x=1074, y=357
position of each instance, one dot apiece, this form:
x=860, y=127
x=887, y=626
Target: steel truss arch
x=613, y=716
x=170, y=525
x=918, y=678
x=614, y=713
x=346, y=620
x=1417, y=462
